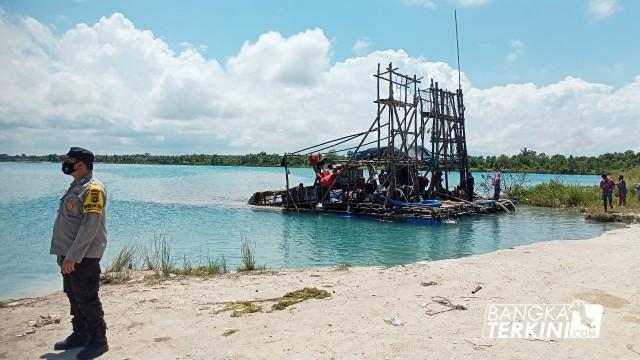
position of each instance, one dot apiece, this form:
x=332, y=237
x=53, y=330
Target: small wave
x=192, y=202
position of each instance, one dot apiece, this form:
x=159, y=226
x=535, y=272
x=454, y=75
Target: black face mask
x=67, y=168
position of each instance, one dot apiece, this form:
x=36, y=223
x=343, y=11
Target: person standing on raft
x=496, y=186
x=470, y=186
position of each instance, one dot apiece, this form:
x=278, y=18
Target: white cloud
x=361, y=46
x=434, y=3
x=298, y=59
x=571, y=116
x=118, y=89
x=602, y=9
x=471, y=3
x=425, y=3
x=517, y=50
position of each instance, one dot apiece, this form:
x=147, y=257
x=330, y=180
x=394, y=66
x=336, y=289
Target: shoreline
x=185, y=317
x=51, y=290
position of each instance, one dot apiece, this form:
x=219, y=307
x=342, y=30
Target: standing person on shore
x=496, y=185
x=622, y=191
x=606, y=185
x=79, y=240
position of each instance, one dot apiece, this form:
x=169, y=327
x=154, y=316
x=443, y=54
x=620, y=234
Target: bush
x=557, y=194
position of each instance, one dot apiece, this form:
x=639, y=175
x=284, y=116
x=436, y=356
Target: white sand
x=175, y=319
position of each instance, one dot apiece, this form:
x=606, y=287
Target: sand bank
x=181, y=318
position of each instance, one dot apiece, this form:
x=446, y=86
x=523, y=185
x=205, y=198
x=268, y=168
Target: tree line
x=527, y=161
x=531, y=161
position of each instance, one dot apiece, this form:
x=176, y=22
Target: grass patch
x=240, y=308
x=223, y=265
x=297, y=296
x=186, y=268
x=217, y=267
x=248, y=251
x=119, y=270
x=114, y=278
x=243, y=308
x=557, y=194
x=230, y=332
x=156, y=256
x=211, y=268
x=123, y=261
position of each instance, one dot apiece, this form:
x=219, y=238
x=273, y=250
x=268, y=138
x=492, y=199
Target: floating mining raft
x=410, y=165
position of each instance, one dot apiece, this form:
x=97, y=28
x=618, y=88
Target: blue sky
x=560, y=37
x=175, y=77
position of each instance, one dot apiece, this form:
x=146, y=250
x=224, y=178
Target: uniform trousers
x=81, y=287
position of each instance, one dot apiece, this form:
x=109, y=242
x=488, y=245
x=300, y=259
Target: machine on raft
x=390, y=174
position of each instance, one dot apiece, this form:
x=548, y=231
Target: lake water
x=201, y=210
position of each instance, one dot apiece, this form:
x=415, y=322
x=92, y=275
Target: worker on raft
x=436, y=181
x=496, y=182
x=423, y=183
x=460, y=192
x=470, y=185
x=317, y=162
x=326, y=177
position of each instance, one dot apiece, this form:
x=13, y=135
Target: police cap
x=80, y=154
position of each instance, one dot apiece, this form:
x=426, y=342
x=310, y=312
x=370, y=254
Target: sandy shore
x=179, y=318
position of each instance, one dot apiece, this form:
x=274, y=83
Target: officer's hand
x=68, y=267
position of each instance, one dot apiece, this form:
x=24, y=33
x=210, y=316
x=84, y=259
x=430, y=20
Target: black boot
x=79, y=336
x=97, y=344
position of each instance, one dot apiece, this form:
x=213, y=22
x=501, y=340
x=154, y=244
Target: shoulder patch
x=94, y=200
x=95, y=186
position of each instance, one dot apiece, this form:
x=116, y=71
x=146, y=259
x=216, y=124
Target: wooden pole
x=378, y=102
x=286, y=171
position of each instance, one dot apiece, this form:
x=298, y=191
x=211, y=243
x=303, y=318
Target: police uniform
x=80, y=229
x=80, y=236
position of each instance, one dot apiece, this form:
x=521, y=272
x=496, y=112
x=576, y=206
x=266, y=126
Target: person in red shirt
x=606, y=185
x=326, y=178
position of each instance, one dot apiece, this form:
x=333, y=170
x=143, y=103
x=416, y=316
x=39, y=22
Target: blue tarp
x=427, y=203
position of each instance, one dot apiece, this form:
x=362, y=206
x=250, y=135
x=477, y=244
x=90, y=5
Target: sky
x=174, y=77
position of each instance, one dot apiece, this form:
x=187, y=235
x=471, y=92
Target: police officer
x=79, y=240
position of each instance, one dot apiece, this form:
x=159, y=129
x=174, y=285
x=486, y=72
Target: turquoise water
x=202, y=211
